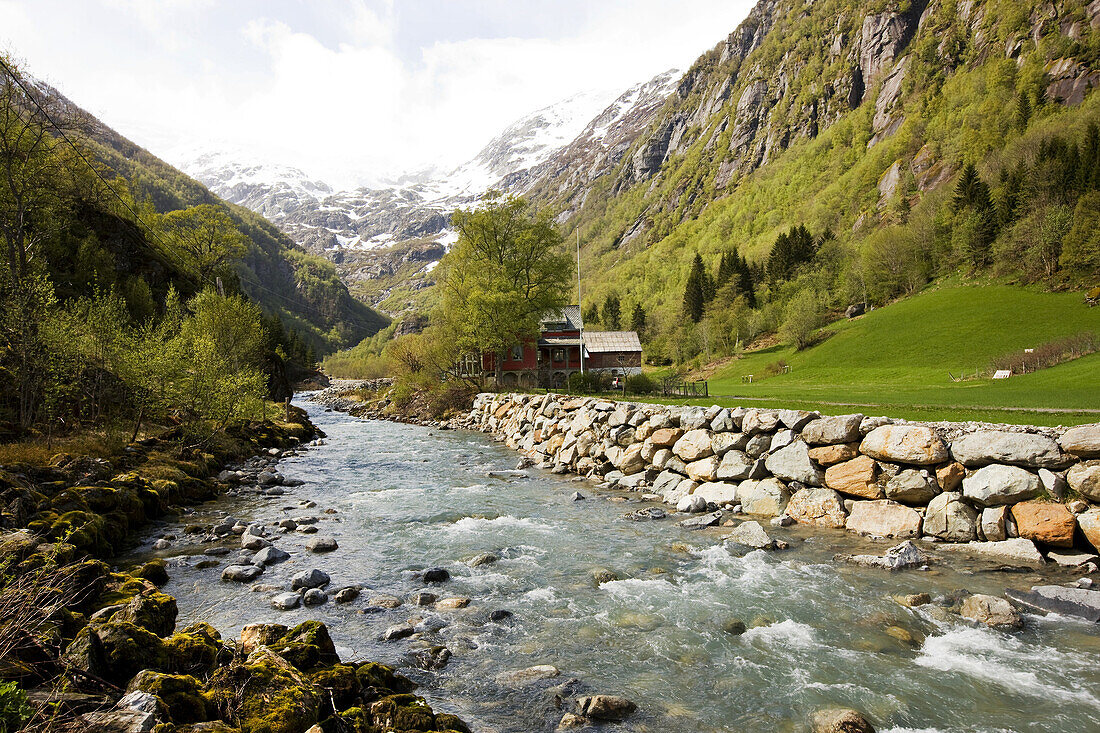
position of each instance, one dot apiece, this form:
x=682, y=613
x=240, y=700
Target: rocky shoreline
x=102, y=652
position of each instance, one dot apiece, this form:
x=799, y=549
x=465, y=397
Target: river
x=405, y=498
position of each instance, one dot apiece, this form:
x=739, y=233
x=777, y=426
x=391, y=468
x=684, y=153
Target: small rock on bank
x=841, y=720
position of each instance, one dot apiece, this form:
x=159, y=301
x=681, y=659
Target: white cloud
x=335, y=88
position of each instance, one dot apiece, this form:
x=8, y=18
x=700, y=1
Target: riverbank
x=97, y=648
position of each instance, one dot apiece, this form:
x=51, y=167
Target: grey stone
x=286, y=601
x=346, y=595
x=1052, y=483
x=991, y=611
x=1016, y=550
x=252, y=542
x=314, y=597
x=915, y=444
x=313, y=578
x=701, y=521
x=270, y=556
x=793, y=463
x=832, y=430
x=322, y=544
x=767, y=497
x=758, y=445
x=751, y=534
x=241, y=573
x=1082, y=441
x=951, y=519
x=998, y=484
x=796, y=419
x=691, y=504
x=910, y=486
x=1001, y=446
x=395, y=633
x=993, y=523
x=735, y=466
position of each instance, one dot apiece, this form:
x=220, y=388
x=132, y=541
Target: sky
x=350, y=91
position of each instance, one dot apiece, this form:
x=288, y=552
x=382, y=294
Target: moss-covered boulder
x=450, y=723
x=122, y=588
x=151, y=610
x=339, y=683
x=182, y=695
x=116, y=650
x=154, y=571
x=378, y=680
x=265, y=694
x=196, y=649
x=402, y=712
x=257, y=635
x=307, y=646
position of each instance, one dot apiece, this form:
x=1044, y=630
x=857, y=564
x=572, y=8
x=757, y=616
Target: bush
x=640, y=384
x=588, y=383
x=14, y=708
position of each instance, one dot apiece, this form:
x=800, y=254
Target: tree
x=504, y=274
x=637, y=319
x=1080, y=258
x=790, y=251
x=975, y=221
x=695, y=290
x=801, y=318
x=206, y=237
x=612, y=313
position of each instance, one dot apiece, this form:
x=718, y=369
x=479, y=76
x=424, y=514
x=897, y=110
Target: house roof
x=570, y=315
x=606, y=341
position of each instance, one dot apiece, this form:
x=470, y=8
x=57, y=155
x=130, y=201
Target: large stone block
x=998, y=484
x=856, y=477
x=916, y=444
x=884, y=518
x=1089, y=522
x=821, y=507
x=705, y=469
x=759, y=421
x=722, y=442
x=666, y=437
x=1084, y=478
x=994, y=523
x=768, y=497
x=1046, y=522
x=717, y=492
x=735, y=466
x=1001, y=446
x=631, y=460
x=792, y=463
x=911, y=487
x=694, y=444
x=1083, y=441
x=950, y=518
x=832, y=430
x=827, y=455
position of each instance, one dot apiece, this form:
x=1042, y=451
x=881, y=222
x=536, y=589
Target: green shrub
x=14, y=707
x=640, y=384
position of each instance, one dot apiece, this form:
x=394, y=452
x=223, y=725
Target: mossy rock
x=151, y=610
x=450, y=723
x=116, y=650
x=69, y=500
x=340, y=683
x=382, y=680
x=182, y=695
x=192, y=652
x=307, y=646
x=85, y=583
x=154, y=571
x=265, y=694
x=403, y=713
x=122, y=588
x=83, y=529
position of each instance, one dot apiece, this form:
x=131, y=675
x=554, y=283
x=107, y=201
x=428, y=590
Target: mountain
x=385, y=241
x=302, y=289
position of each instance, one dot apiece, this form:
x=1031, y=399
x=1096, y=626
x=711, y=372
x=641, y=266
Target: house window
x=557, y=355
x=517, y=353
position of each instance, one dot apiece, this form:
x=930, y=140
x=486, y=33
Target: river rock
x=767, y=497
x=899, y=557
x=286, y=601
x=694, y=445
x=883, y=518
x=436, y=575
x=994, y=523
x=605, y=707
x=916, y=444
x=423, y=598
x=751, y=534
x=1089, y=522
x=950, y=518
x=1046, y=522
x=735, y=466
x=1083, y=441
x=820, y=507
x=346, y=595
x=453, y=603
x=253, y=542
x=759, y=421
x=832, y=430
x=384, y=602
x=528, y=675
x=857, y=477
x=910, y=486
x=827, y=455
x=270, y=556
x=998, y=484
x=1084, y=478
x=309, y=579
x=691, y=504
x=705, y=469
x=321, y=544
x=717, y=492
x=702, y=521
x=1001, y=446
x=1015, y=550
x=793, y=463
x=241, y=573
x=395, y=633
x=1079, y=602
x=314, y=597
x=840, y=720
x=991, y=611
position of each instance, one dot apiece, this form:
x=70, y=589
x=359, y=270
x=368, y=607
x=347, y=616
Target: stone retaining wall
x=955, y=482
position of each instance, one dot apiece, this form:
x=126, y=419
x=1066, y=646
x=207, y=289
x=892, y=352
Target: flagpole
x=579, y=308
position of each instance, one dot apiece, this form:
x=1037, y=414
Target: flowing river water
x=408, y=497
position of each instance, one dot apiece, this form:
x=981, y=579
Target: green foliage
x=1080, y=255
x=206, y=237
x=505, y=273
x=15, y=709
x=801, y=318
x=641, y=384
x=612, y=313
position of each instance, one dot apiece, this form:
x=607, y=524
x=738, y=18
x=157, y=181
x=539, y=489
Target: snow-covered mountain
x=386, y=240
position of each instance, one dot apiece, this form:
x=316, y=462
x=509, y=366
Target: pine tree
x=744, y=280
x=591, y=315
x=612, y=314
x=637, y=319
x=694, y=290
x=1023, y=111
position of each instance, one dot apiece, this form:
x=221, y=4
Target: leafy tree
x=1080, y=256
x=207, y=238
x=791, y=250
x=504, y=274
x=591, y=315
x=612, y=313
x=802, y=317
x=976, y=222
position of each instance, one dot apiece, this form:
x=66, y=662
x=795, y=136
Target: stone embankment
x=1012, y=494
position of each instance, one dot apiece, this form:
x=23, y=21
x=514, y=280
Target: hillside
x=855, y=121
x=902, y=355
x=303, y=290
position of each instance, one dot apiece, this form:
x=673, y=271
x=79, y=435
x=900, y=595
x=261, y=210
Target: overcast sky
x=362, y=88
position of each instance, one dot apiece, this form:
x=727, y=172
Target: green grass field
x=899, y=361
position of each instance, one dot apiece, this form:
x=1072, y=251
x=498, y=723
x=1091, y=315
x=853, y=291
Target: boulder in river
x=1079, y=602
x=286, y=601
x=605, y=707
x=314, y=597
x=346, y=595
x=322, y=544
x=485, y=558
x=840, y=720
x=528, y=675
x=436, y=575
x=270, y=556
x=395, y=633
x=991, y=611
x=751, y=534
x=313, y=578
x=241, y=573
